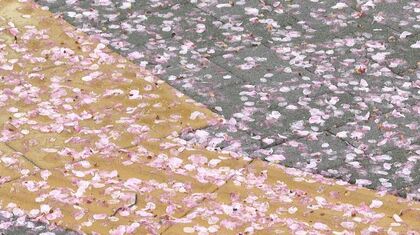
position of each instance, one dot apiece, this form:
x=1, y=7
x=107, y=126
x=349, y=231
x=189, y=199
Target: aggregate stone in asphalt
x=337, y=76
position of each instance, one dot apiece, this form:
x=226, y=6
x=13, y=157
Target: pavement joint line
x=267, y=45
x=170, y=135
x=275, y=144
x=215, y=18
x=165, y=37
x=212, y=56
x=192, y=209
x=368, y=15
x=213, y=191
x=386, y=65
x=143, y=46
x=14, y=179
x=182, y=2
x=224, y=22
x=48, y=68
x=25, y=157
x=77, y=161
x=391, y=28
x=354, y=8
x=331, y=133
x=345, y=141
x=119, y=150
x=229, y=70
x=289, y=15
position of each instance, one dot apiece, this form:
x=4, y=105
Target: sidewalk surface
x=91, y=142
x=329, y=87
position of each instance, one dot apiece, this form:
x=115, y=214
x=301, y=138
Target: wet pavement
x=329, y=87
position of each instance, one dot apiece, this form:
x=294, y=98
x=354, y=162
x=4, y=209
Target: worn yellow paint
x=336, y=194
x=57, y=33
x=44, y=148
x=307, y=190
x=140, y=166
x=163, y=186
x=93, y=201
x=159, y=108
